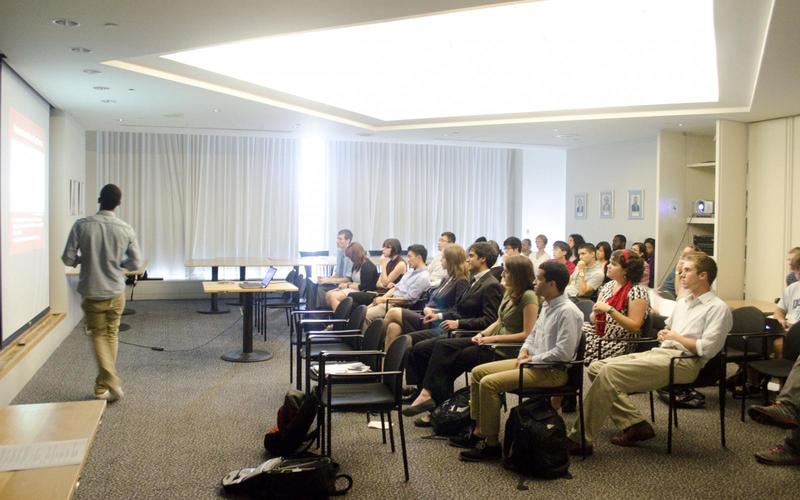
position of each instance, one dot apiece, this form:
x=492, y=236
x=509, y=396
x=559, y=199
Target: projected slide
x=27, y=175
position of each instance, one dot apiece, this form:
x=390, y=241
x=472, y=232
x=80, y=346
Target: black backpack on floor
x=535, y=442
x=451, y=418
x=309, y=476
x=291, y=434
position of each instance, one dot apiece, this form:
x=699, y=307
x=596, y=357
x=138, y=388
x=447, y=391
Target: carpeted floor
x=188, y=418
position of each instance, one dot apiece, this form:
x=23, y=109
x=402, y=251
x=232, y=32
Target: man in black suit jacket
x=474, y=310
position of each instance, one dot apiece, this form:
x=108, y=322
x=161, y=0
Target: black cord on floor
x=162, y=349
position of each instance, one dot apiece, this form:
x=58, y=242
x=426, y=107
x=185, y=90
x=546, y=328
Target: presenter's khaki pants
x=102, y=319
x=489, y=380
x=613, y=379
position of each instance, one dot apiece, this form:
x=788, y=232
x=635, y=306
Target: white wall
x=67, y=161
x=542, y=184
x=617, y=167
x=773, y=204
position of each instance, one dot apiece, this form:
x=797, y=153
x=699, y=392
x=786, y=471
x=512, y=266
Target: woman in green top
x=453, y=356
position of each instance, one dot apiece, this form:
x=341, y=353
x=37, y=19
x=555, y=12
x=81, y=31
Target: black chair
x=379, y=391
x=713, y=373
x=342, y=336
x=340, y=339
x=324, y=318
x=779, y=368
x=573, y=387
x=289, y=302
x=749, y=326
x=585, y=305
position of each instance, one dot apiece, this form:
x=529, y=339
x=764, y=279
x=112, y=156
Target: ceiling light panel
x=521, y=58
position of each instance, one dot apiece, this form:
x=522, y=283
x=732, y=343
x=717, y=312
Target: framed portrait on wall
x=635, y=204
x=606, y=204
x=580, y=205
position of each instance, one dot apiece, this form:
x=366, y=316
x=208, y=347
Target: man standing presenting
x=698, y=326
x=103, y=245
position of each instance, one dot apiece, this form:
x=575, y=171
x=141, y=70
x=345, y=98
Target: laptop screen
x=268, y=277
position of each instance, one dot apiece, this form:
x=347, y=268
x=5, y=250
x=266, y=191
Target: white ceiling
x=40, y=52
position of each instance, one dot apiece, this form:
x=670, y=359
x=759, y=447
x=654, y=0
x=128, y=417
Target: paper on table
x=41, y=455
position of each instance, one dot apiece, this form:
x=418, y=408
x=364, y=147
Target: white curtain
x=415, y=192
x=201, y=196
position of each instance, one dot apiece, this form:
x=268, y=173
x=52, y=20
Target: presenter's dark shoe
x=481, y=453
x=776, y=414
x=641, y=431
x=574, y=448
x=420, y=408
x=466, y=441
x=780, y=454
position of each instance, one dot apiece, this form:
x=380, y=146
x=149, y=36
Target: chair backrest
x=665, y=294
x=575, y=372
x=658, y=323
x=375, y=253
x=316, y=253
x=300, y=283
x=791, y=343
x=373, y=341
x=292, y=276
x=746, y=320
x=356, y=319
x=586, y=308
x=647, y=326
x=343, y=309
x=395, y=360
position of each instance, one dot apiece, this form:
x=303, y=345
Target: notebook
x=263, y=283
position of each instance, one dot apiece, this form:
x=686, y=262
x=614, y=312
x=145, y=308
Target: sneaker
x=466, y=441
x=776, y=414
x=481, y=453
x=641, y=431
x=779, y=454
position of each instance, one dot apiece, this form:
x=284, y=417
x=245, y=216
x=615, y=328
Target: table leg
x=241, y=278
x=247, y=354
x=214, y=307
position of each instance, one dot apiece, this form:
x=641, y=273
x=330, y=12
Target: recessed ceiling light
x=500, y=59
x=108, y=101
x=66, y=23
x=111, y=25
x=89, y=71
x=120, y=120
x=100, y=87
x=680, y=124
x=131, y=90
x=80, y=50
x=215, y=110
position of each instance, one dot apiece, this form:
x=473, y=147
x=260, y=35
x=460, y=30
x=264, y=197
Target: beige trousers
x=102, y=319
x=613, y=379
x=375, y=311
x=489, y=380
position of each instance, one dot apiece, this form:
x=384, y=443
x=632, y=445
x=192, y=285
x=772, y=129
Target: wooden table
x=765, y=306
x=35, y=423
x=247, y=354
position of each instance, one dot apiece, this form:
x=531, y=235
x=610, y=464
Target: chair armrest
x=341, y=376
x=462, y=333
x=312, y=311
x=495, y=345
x=334, y=355
x=317, y=338
x=331, y=333
x=396, y=300
x=323, y=321
x=562, y=364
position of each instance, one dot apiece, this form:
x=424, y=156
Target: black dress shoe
x=420, y=422
x=481, y=453
x=409, y=395
x=466, y=441
x=420, y=408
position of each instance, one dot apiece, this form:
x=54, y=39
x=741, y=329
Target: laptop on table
x=264, y=283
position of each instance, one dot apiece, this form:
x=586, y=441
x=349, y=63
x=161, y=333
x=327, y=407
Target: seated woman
x=451, y=357
x=575, y=242
x=562, y=254
x=400, y=320
x=364, y=279
x=621, y=308
x=393, y=267
x=602, y=255
x=640, y=250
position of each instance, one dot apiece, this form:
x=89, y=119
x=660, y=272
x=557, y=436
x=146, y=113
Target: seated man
x=527, y=246
x=698, y=326
x=342, y=272
x=476, y=309
x=783, y=413
x=788, y=310
x=435, y=268
x=587, y=276
x=554, y=338
x=410, y=288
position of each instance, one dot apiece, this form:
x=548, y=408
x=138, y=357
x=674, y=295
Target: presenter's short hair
x=110, y=197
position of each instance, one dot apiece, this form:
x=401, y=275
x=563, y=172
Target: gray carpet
x=188, y=418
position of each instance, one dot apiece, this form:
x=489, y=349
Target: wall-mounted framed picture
x=580, y=205
x=606, y=204
x=636, y=204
